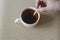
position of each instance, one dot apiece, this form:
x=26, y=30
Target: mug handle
x=18, y=20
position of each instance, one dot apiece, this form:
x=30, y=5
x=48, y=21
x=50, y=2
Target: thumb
x=42, y=9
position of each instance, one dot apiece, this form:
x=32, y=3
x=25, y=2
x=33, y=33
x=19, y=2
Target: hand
x=40, y=5
x=48, y=5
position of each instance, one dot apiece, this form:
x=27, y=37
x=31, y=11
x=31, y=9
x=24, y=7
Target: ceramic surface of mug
x=29, y=17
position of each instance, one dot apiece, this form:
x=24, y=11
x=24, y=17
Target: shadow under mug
x=29, y=17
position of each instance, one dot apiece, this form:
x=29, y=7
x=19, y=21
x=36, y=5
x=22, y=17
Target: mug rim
x=34, y=10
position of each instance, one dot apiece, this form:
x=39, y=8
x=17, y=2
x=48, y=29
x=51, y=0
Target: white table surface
x=48, y=27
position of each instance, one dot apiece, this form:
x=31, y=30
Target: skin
x=48, y=5
x=41, y=4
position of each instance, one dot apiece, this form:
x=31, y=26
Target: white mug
x=20, y=20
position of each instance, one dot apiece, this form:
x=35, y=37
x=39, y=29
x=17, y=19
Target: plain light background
x=47, y=29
